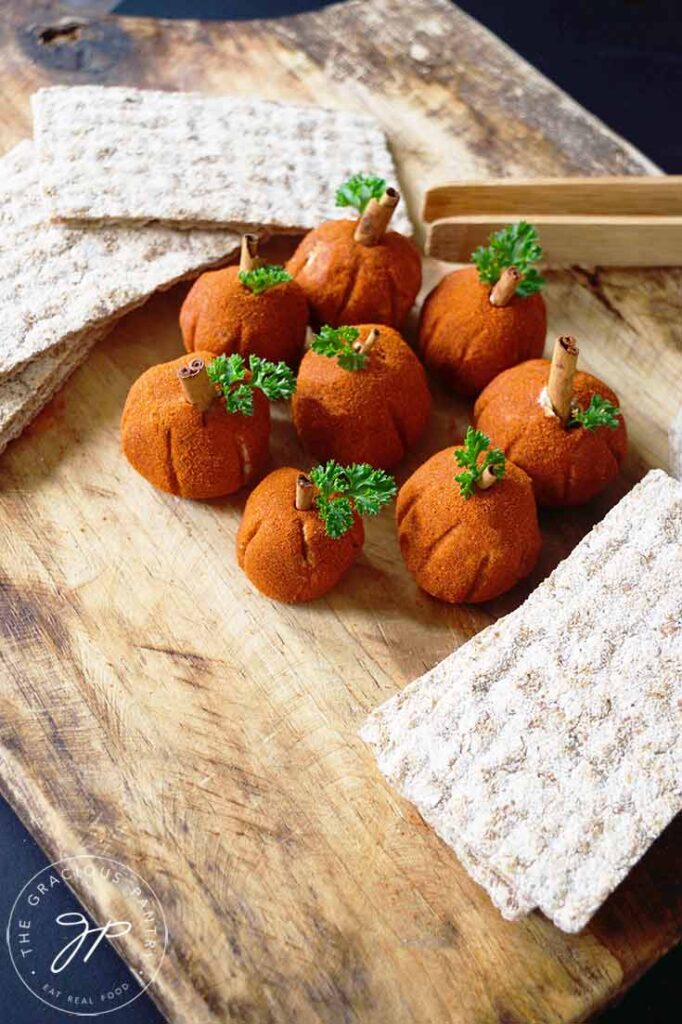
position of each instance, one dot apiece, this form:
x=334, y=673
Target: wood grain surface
x=154, y=708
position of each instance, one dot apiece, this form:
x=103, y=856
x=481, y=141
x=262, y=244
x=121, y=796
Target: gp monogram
x=59, y=952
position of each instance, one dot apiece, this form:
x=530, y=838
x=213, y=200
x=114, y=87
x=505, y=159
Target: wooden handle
x=621, y=196
x=568, y=240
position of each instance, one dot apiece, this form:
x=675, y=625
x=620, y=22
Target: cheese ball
x=467, y=550
x=347, y=282
x=285, y=551
x=568, y=465
x=372, y=415
x=467, y=341
x=221, y=315
x=183, y=450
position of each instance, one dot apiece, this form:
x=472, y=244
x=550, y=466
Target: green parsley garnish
x=341, y=489
x=599, y=413
x=514, y=246
x=358, y=191
x=474, y=444
x=262, y=278
x=337, y=343
x=237, y=384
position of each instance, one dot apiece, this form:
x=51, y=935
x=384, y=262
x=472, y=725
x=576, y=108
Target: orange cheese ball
x=347, y=282
x=568, y=466
x=220, y=315
x=285, y=551
x=468, y=341
x=184, y=451
x=467, y=550
x=371, y=415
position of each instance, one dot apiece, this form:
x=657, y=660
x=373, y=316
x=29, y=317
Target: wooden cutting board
x=154, y=708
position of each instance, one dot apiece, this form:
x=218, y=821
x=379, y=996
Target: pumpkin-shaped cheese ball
x=561, y=426
x=468, y=536
x=300, y=534
x=249, y=309
x=481, y=320
x=199, y=427
x=355, y=271
x=362, y=395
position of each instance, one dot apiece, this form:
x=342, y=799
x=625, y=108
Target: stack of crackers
x=547, y=751
x=124, y=192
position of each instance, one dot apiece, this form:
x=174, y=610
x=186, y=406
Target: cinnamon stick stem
x=561, y=374
x=305, y=492
x=376, y=217
x=198, y=388
x=504, y=289
x=248, y=257
x=366, y=346
x=488, y=478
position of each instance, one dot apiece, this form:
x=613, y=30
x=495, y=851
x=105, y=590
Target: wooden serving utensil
x=625, y=221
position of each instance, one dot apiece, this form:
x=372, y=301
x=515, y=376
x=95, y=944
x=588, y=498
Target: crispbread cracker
x=550, y=745
x=126, y=155
x=24, y=394
x=57, y=284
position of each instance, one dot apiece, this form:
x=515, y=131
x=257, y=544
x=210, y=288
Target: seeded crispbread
x=130, y=155
x=549, y=747
x=57, y=283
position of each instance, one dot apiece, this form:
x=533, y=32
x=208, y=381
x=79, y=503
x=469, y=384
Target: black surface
x=218, y=10
x=623, y=61
x=20, y=859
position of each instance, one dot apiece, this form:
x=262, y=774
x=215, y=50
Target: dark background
x=622, y=59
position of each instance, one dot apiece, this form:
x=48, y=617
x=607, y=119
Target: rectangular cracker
x=24, y=394
x=59, y=283
x=550, y=745
x=129, y=155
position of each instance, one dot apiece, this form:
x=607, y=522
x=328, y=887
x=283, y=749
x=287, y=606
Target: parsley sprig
x=337, y=342
x=358, y=191
x=514, y=246
x=262, y=278
x=475, y=443
x=238, y=383
x=599, y=413
x=342, y=489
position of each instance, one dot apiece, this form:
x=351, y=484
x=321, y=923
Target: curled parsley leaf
x=337, y=342
x=344, y=489
x=336, y=514
x=238, y=383
x=358, y=191
x=599, y=413
x=262, y=278
x=475, y=443
x=514, y=246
